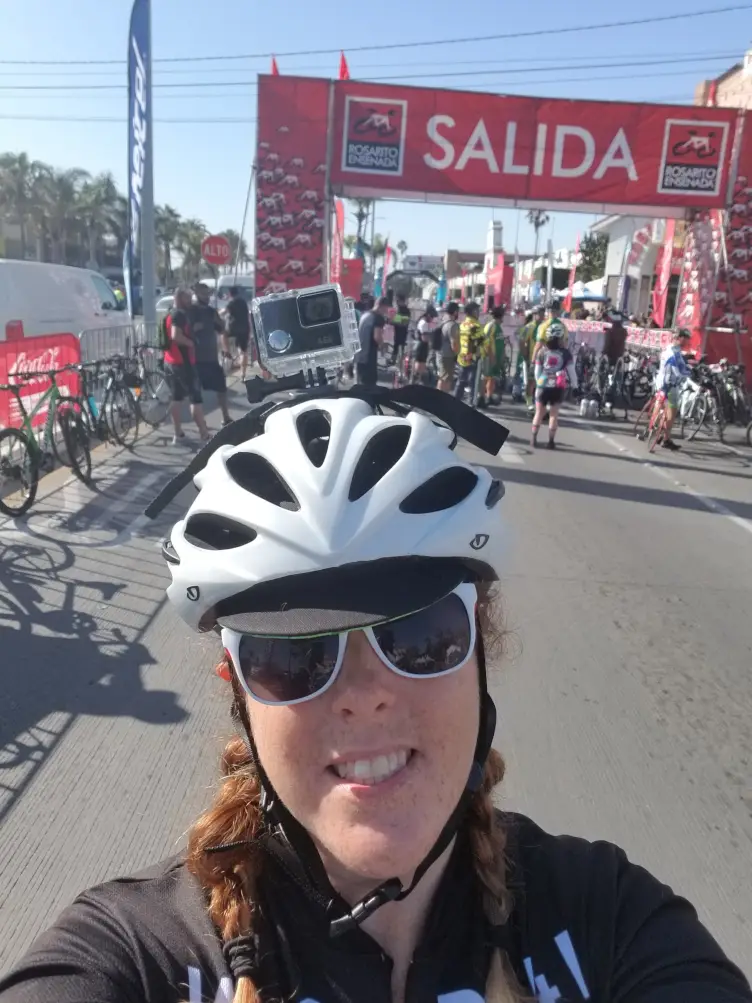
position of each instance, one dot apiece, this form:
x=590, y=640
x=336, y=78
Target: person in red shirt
x=180, y=369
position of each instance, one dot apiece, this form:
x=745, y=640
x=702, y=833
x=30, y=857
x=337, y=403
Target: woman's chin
x=373, y=855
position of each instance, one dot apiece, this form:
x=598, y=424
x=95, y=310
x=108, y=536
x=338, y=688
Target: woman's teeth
x=373, y=771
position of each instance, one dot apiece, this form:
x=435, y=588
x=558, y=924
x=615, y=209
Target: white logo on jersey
x=539, y=984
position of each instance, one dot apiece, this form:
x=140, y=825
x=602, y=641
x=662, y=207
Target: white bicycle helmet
x=333, y=517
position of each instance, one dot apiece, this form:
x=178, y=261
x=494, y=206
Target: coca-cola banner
x=39, y=356
x=464, y=146
x=290, y=187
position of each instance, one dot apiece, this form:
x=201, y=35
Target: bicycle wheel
x=657, y=430
x=19, y=472
x=76, y=440
x=640, y=427
x=154, y=399
x=696, y=416
x=716, y=419
x=121, y=413
x=749, y=434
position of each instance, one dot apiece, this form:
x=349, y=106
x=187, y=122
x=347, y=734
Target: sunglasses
x=433, y=641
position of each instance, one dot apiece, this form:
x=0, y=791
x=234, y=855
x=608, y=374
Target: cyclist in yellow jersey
x=554, y=314
x=471, y=344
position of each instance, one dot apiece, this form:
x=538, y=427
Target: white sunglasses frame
x=466, y=591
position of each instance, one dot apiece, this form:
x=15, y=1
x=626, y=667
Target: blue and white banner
x=139, y=140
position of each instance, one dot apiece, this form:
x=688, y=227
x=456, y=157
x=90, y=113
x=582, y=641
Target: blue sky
x=201, y=167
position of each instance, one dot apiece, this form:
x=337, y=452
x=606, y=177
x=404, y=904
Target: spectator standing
x=369, y=330
x=206, y=325
x=450, y=346
x=180, y=368
x=239, y=326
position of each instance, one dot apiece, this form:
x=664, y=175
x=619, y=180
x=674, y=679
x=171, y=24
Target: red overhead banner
x=464, y=145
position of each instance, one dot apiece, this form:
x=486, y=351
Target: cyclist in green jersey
x=493, y=360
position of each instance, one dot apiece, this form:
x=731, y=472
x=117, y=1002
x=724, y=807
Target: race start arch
x=318, y=139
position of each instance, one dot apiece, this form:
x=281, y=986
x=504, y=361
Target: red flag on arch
x=344, y=69
x=275, y=68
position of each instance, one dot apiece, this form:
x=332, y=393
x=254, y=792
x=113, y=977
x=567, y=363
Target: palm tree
x=191, y=233
x=361, y=214
x=377, y=249
x=537, y=218
x=167, y=225
x=62, y=193
x=402, y=248
x=234, y=239
x=19, y=179
x=350, y=241
x=98, y=211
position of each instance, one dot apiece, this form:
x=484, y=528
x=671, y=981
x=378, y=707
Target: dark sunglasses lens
x=280, y=670
x=431, y=641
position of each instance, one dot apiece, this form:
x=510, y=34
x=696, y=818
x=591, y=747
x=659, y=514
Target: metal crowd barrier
x=98, y=344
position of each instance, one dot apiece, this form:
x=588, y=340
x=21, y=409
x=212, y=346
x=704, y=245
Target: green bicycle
x=23, y=457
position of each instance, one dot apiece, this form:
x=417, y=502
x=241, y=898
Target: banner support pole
x=242, y=228
x=328, y=199
x=148, y=290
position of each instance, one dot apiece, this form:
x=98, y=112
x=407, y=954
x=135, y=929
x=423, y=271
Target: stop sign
x=216, y=250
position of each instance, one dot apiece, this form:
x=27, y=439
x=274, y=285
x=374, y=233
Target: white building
x=623, y=258
x=472, y=284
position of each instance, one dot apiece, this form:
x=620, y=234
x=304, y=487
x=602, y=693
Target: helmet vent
x=256, y=475
x=215, y=532
x=383, y=451
x=314, y=428
x=442, y=491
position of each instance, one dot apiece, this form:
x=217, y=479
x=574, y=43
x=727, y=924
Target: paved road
x=625, y=696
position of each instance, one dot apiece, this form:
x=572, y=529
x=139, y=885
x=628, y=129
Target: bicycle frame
x=52, y=395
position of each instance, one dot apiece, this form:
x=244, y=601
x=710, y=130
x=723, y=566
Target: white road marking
x=710, y=503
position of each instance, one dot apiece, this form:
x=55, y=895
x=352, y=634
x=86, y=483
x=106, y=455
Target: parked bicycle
x=23, y=457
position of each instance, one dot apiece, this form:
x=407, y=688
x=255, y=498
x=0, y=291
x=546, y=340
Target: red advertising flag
x=344, y=69
x=572, y=276
x=387, y=259
x=338, y=238
x=275, y=68
x=663, y=274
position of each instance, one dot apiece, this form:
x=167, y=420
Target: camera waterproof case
x=304, y=330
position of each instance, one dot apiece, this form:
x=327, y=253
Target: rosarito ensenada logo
x=374, y=136
x=693, y=157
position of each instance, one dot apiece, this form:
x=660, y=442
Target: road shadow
x=59, y=662
x=619, y=492
x=655, y=461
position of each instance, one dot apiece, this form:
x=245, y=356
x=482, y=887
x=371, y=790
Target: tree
x=377, y=249
x=191, y=233
x=361, y=214
x=19, y=190
x=62, y=192
x=97, y=209
x=592, y=263
x=167, y=227
x=350, y=241
x=537, y=218
x=234, y=239
x=402, y=248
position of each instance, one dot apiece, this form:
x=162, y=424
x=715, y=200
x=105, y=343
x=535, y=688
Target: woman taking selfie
x=347, y=559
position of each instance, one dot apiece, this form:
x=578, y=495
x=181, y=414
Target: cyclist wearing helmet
x=554, y=373
x=554, y=317
x=353, y=852
x=672, y=372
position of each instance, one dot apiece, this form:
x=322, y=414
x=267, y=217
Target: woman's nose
x=365, y=685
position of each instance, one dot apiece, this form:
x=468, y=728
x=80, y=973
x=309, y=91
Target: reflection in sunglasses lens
x=279, y=670
x=431, y=641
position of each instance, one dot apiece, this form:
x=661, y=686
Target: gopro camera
x=304, y=330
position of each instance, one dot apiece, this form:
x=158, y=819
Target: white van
x=54, y=299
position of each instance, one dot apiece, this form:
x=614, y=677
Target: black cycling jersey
x=587, y=924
